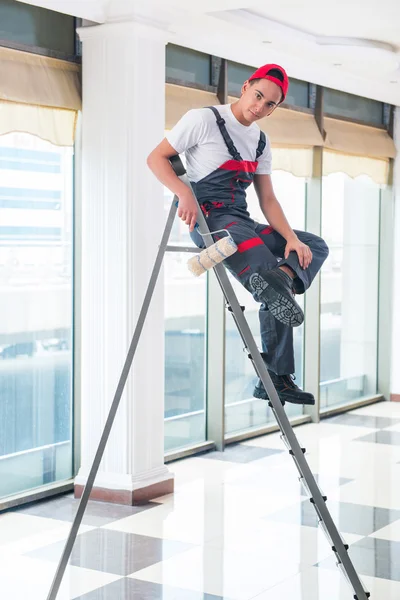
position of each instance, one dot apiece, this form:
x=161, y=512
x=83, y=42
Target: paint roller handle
x=177, y=165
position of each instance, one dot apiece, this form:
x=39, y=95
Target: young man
x=226, y=152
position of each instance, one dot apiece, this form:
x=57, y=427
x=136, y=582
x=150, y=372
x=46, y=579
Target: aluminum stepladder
x=316, y=497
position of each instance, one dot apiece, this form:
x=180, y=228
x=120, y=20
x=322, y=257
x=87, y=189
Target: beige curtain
x=337, y=162
x=180, y=99
x=357, y=150
x=360, y=140
x=39, y=95
x=298, y=161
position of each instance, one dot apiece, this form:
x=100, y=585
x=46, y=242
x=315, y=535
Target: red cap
x=262, y=73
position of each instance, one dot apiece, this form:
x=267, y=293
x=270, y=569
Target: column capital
x=132, y=28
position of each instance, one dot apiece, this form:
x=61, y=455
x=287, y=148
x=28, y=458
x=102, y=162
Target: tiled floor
x=238, y=527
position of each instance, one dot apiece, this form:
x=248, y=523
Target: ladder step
x=229, y=307
x=304, y=450
x=324, y=498
x=345, y=545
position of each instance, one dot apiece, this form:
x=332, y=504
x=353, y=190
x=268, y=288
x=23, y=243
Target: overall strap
x=261, y=145
x=227, y=138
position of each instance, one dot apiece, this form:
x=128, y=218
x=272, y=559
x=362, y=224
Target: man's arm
x=158, y=162
x=275, y=216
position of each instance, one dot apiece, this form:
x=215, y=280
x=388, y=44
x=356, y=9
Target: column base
x=128, y=497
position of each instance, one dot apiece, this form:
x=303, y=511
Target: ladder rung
x=324, y=498
x=291, y=452
x=229, y=307
x=182, y=249
x=346, y=546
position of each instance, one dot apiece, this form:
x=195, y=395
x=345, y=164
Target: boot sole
x=262, y=395
x=281, y=304
x=285, y=309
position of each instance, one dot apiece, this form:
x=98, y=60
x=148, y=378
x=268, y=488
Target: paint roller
x=214, y=254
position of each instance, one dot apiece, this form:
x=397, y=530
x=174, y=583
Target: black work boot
x=275, y=287
x=287, y=390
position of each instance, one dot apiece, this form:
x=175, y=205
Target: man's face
x=259, y=99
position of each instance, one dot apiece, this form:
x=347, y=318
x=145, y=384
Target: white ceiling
x=302, y=35
x=371, y=19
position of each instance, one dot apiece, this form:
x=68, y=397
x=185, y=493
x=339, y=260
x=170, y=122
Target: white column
x=395, y=371
x=122, y=223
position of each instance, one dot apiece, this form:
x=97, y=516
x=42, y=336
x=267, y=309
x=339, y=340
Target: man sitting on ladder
x=225, y=152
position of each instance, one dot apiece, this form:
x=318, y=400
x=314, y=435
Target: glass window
x=34, y=26
x=185, y=339
x=188, y=65
x=349, y=289
x=354, y=107
x=298, y=94
x=36, y=277
x=242, y=411
x=237, y=75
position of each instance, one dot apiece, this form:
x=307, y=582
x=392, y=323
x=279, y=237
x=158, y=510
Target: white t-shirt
x=198, y=136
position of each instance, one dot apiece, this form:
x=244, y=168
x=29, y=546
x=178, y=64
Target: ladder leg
x=316, y=498
x=113, y=410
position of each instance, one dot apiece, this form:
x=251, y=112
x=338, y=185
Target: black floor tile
x=96, y=514
x=391, y=438
x=113, y=551
x=240, y=453
x=353, y=518
x=363, y=421
x=373, y=557
x=134, y=589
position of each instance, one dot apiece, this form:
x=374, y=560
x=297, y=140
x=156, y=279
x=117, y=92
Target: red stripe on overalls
x=251, y=243
x=248, y=166
x=267, y=230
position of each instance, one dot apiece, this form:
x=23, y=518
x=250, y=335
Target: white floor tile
x=197, y=518
x=303, y=545
x=390, y=532
x=237, y=575
x=381, y=409
x=350, y=458
x=374, y=489
x=20, y=533
x=24, y=578
x=393, y=427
